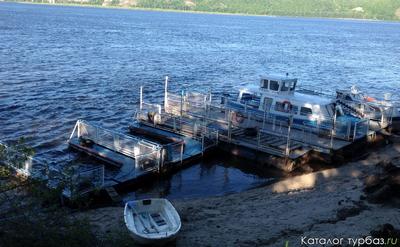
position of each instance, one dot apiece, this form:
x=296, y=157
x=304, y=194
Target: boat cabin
x=277, y=95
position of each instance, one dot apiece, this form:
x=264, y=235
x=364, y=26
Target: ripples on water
x=58, y=64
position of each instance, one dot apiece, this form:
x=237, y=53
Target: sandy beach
x=326, y=204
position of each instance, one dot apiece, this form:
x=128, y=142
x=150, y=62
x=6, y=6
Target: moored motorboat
x=382, y=113
x=276, y=98
x=152, y=221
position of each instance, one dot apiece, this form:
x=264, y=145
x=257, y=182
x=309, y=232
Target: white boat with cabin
x=276, y=96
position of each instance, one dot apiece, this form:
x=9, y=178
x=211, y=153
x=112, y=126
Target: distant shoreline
x=197, y=12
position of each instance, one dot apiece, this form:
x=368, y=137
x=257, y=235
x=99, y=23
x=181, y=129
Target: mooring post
x=79, y=128
x=333, y=127
x=265, y=114
x=355, y=130
x=288, y=136
x=141, y=99
x=205, y=109
x=273, y=123
x=73, y=131
x=181, y=109
x=181, y=153
x=202, y=145
x=229, y=124
x=391, y=114
x=160, y=159
x=166, y=94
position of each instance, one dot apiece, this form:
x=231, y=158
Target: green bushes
x=32, y=215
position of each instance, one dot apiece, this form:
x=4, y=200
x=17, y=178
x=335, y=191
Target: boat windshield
x=288, y=86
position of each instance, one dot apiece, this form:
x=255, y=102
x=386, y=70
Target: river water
x=59, y=64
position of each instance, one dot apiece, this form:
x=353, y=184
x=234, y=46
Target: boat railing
x=150, y=107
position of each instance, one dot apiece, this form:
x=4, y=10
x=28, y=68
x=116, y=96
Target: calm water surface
x=58, y=64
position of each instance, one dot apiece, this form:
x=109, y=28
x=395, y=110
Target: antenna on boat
x=141, y=98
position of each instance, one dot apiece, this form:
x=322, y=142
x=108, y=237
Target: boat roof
x=277, y=77
x=298, y=97
x=312, y=99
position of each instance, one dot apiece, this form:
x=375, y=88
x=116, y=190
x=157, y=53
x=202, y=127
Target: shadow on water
x=209, y=177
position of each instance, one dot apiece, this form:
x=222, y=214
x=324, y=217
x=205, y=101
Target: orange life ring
x=369, y=99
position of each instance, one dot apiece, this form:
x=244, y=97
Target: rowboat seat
x=158, y=219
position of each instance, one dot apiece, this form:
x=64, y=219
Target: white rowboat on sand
x=152, y=221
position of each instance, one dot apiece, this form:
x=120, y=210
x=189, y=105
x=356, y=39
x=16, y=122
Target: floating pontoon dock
x=195, y=115
x=142, y=152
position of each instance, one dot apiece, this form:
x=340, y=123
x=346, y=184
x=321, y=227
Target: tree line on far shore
x=363, y=9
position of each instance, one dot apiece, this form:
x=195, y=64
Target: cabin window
x=273, y=85
x=264, y=84
x=285, y=86
x=305, y=111
x=294, y=109
x=287, y=108
x=279, y=106
x=292, y=86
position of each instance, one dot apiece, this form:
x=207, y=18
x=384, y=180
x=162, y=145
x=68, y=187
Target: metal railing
x=141, y=150
x=79, y=182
